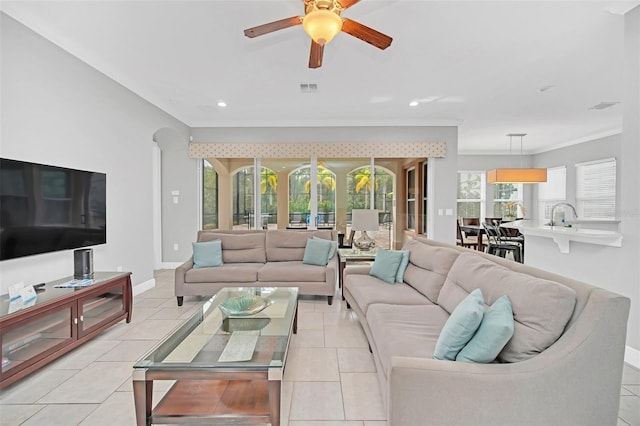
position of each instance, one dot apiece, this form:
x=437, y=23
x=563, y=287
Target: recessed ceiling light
x=222, y=104
x=414, y=103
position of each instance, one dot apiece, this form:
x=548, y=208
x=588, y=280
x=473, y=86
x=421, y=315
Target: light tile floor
x=330, y=378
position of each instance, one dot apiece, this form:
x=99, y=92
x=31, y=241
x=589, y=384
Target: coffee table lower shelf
x=219, y=402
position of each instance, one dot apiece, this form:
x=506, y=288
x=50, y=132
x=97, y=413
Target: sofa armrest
x=180, y=273
x=357, y=270
x=332, y=271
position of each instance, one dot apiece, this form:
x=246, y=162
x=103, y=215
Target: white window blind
x=596, y=189
x=553, y=191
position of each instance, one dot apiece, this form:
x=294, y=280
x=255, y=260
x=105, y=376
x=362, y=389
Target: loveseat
x=562, y=366
x=265, y=258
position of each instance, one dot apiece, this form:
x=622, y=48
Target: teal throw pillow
x=386, y=265
x=334, y=246
x=460, y=327
x=316, y=252
x=207, y=254
x=493, y=334
x=403, y=266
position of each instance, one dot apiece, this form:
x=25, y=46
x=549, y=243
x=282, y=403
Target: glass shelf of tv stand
x=22, y=343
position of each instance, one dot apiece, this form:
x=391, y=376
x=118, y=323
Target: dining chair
x=471, y=221
x=495, y=221
x=461, y=240
x=499, y=246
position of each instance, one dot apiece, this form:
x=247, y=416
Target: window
x=507, y=200
x=268, y=197
x=553, y=191
x=471, y=194
x=209, y=196
x=596, y=189
x=411, y=199
x=243, y=198
x=243, y=193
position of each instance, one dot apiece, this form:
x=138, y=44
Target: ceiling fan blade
x=364, y=33
x=315, y=57
x=273, y=26
x=347, y=3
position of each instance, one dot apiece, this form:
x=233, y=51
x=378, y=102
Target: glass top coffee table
x=227, y=361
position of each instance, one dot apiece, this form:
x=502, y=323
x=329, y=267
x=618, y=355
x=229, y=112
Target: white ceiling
x=475, y=64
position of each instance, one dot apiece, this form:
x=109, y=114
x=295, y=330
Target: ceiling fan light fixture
x=322, y=25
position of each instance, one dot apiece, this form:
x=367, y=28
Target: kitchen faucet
x=553, y=209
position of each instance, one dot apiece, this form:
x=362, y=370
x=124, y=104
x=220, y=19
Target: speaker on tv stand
x=83, y=263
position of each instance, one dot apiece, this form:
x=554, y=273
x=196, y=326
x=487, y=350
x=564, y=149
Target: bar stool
x=498, y=247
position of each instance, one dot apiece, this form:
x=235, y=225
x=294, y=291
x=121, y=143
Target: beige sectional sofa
x=563, y=365
x=266, y=258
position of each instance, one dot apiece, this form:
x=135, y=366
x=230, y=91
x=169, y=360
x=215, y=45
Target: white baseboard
x=171, y=265
x=632, y=357
x=145, y=286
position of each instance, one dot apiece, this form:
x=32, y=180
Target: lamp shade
x=322, y=25
x=364, y=220
x=517, y=176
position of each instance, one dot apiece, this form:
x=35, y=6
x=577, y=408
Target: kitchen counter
x=563, y=235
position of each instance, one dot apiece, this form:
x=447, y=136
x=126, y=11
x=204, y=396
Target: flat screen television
x=47, y=208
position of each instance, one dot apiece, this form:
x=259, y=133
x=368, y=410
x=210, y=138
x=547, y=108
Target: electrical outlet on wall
x=176, y=247
x=119, y=269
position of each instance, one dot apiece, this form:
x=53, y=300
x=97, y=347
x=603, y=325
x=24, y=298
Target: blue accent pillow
x=207, y=254
x=460, y=327
x=386, y=265
x=316, y=252
x=493, y=334
x=403, y=266
x=334, y=246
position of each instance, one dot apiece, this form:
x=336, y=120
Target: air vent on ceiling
x=604, y=105
x=308, y=87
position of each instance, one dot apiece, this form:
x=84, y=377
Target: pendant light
x=516, y=175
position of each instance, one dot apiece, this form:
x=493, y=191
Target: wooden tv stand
x=59, y=320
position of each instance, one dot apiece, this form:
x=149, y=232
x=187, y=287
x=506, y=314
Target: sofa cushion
x=239, y=248
x=386, y=265
x=334, y=246
x=404, y=331
x=293, y=271
x=207, y=254
x=403, y=266
x=541, y=308
x=316, y=252
x=367, y=290
x=428, y=267
x=288, y=245
x=460, y=327
x=227, y=273
x=494, y=332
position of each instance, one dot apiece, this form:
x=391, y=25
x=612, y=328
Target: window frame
x=482, y=201
x=519, y=199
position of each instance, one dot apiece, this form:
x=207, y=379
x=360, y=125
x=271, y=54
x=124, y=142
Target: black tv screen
x=48, y=208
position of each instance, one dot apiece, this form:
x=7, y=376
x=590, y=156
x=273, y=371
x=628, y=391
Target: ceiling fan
x=322, y=22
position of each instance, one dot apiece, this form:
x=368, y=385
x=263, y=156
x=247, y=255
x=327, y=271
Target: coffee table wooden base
x=210, y=402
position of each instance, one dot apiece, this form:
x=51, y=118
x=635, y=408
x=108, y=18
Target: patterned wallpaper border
x=334, y=150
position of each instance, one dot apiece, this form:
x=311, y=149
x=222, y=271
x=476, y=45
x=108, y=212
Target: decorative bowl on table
x=244, y=305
